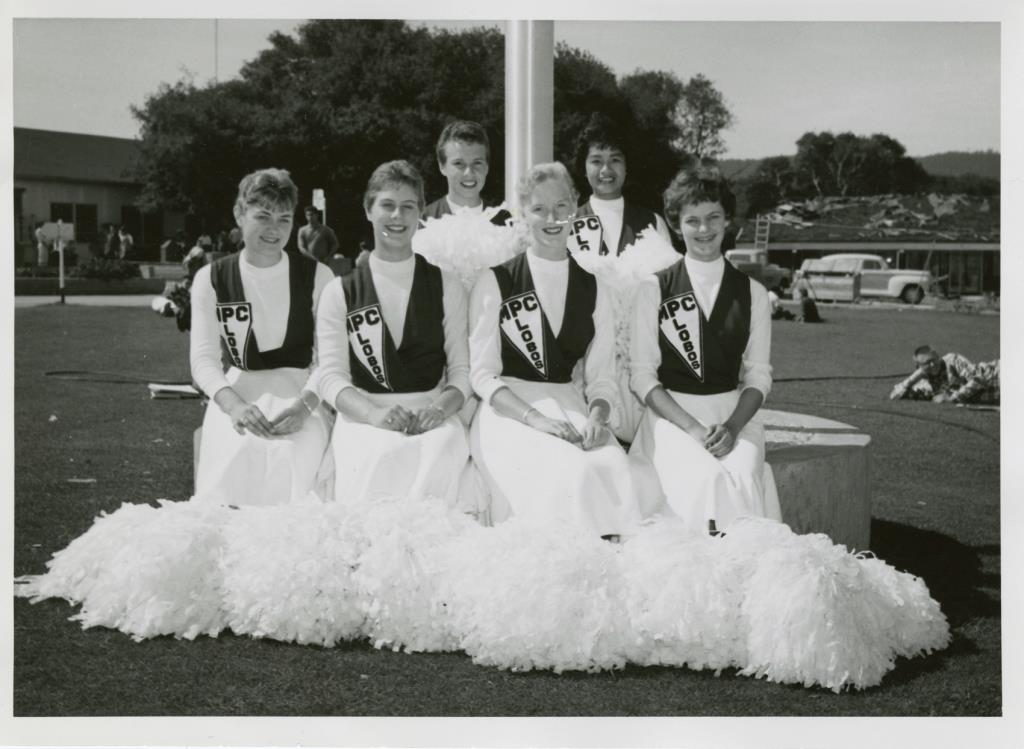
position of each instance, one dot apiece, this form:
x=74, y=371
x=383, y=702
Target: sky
x=934, y=86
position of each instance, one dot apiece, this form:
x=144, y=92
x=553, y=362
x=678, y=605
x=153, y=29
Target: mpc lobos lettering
x=366, y=337
x=586, y=232
x=680, y=322
x=235, y=321
x=522, y=324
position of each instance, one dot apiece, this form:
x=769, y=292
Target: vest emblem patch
x=366, y=339
x=586, y=233
x=522, y=324
x=680, y=321
x=235, y=321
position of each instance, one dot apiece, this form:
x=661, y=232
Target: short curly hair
x=389, y=173
x=268, y=187
x=698, y=184
x=535, y=175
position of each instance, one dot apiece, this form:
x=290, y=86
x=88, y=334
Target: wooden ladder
x=762, y=230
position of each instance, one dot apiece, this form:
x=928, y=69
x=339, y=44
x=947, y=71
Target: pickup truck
x=877, y=279
x=755, y=264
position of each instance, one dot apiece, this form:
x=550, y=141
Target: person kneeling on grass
x=952, y=377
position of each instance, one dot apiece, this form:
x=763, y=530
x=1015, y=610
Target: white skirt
x=698, y=486
x=243, y=469
x=542, y=478
x=371, y=464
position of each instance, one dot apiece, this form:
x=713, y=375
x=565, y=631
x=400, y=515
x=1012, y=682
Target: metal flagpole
x=529, y=98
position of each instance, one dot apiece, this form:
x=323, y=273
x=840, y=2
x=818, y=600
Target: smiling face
x=606, y=171
x=394, y=214
x=465, y=167
x=702, y=226
x=548, y=212
x=265, y=228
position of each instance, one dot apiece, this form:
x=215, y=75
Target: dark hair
x=270, y=187
x=698, y=184
x=465, y=131
x=924, y=350
x=311, y=209
x=600, y=131
x=399, y=172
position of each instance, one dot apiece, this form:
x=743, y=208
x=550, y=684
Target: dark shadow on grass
x=952, y=570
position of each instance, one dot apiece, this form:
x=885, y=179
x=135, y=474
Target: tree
x=850, y=164
x=653, y=97
x=702, y=115
x=771, y=184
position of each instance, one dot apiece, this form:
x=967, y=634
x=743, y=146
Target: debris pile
x=933, y=217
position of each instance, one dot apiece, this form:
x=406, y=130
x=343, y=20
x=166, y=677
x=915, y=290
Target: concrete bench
x=821, y=472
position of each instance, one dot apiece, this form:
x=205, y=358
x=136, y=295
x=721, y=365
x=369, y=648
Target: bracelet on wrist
x=526, y=414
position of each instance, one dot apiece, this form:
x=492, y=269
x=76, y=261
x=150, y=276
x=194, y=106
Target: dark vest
x=234, y=317
x=698, y=355
x=529, y=350
x=419, y=363
x=440, y=208
x=634, y=220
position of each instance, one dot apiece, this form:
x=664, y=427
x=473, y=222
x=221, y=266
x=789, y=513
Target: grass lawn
x=935, y=488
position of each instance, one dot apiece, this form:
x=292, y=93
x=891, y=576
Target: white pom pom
x=143, y=570
x=401, y=570
x=288, y=572
x=524, y=596
x=684, y=597
x=465, y=244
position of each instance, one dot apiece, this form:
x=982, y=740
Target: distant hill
x=958, y=163
x=949, y=164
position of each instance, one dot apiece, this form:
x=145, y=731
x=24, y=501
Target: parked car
x=829, y=274
x=755, y=264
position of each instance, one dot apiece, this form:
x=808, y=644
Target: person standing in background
x=315, y=239
x=126, y=243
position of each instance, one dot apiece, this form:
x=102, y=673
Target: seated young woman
x=543, y=447
x=394, y=359
x=700, y=351
x=264, y=432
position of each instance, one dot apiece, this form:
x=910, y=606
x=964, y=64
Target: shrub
x=107, y=269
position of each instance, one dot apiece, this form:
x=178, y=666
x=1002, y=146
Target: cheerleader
x=264, y=432
x=700, y=361
x=393, y=358
x=545, y=451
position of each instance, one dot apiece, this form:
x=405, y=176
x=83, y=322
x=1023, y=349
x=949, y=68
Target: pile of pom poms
x=420, y=577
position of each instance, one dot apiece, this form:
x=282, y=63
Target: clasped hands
x=591, y=436
x=401, y=419
x=718, y=439
x=247, y=417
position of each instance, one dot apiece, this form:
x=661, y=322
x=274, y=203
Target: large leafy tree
x=849, y=164
x=703, y=115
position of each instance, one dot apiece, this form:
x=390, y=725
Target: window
x=62, y=212
x=82, y=215
x=872, y=265
x=86, y=228
x=845, y=265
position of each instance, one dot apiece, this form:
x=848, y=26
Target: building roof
x=48, y=154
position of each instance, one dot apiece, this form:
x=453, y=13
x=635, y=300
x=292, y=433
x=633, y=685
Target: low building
x=84, y=180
